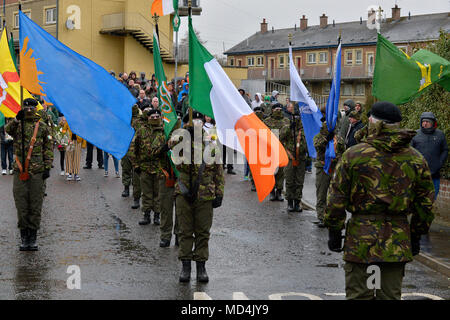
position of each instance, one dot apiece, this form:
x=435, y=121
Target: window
x=311, y=58
x=239, y=63
x=250, y=61
x=346, y=89
x=403, y=48
x=281, y=62
x=260, y=61
x=323, y=57
x=349, y=57
x=360, y=89
x=370, y=63
x=326, y=88
x=359, y=55
x=16, y=17
x=50, y=15
x=232, y=62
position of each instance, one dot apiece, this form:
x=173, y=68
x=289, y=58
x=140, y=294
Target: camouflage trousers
x=295, y=177
x=28, y=196
x=279, y=179
x=150, y=187
x=130, y=177
x=322, y=183
x=166, y=201
x=391, y=281
x=195, y=221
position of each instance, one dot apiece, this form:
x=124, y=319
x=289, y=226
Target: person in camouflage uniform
x=128, y=175
x=198, y=190
x=260, y=114
x=266, y=107
x=149, y=147
x=323, y=179
x=167, y=200
x=380, y=182
x=29, y=177
x=277, y=121
x=296, y=149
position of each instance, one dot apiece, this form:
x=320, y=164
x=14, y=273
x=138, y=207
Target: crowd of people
x=194, y=190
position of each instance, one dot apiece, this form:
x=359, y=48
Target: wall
x=442, y=204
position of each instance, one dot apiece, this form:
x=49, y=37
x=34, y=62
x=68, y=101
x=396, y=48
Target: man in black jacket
x=355, y=124
x=432, y=144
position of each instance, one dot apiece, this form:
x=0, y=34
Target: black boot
x=146, y=219
x=253, y=188
x=279, y=195
x=164, y=243
x=136, y=204
x=156, y=219
x=297, y=206
x=202, y=276
x=25, y=240
x=291, y=205
x=321, y=224
x=273, y=196
x=176, y=241
x=185, y=275
x=126, y=192
x=32, y=245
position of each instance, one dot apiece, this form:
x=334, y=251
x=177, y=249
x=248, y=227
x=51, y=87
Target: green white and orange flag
x=212, y=93
x=165, y=100
x=163, y=7
x=9, y=82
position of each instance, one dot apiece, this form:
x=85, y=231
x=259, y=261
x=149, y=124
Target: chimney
x=303, y=23
x=264, y=26
x=396, y=13
x=323, y=21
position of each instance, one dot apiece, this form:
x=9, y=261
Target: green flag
x=165, y=100
x=12, y=50
x=176, y=18
x=2, y=120
x=399, y=78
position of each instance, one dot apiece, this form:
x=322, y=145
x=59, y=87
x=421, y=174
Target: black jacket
x=351, y=141
x=432, y=144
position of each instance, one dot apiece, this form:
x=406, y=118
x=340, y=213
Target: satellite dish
x=70, y=24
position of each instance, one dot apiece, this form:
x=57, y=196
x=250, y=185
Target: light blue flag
x=311, y=126
x=308, y=109
x=333, y=108
x=96, y=106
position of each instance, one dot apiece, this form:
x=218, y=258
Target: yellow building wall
x=236, y=75
x=105, y=50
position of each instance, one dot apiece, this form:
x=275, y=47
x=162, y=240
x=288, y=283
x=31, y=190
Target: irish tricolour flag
x=212, y=93
x=163, y=7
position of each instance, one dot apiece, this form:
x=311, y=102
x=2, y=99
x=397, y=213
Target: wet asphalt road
x=256, y=249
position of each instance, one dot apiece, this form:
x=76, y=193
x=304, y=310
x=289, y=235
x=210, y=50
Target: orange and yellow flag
x=9, y=82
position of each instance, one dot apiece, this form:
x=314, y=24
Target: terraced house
x=265, y=53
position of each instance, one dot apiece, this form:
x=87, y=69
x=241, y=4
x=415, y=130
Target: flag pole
x=190, y=17
x=4, y=14
x=22, y=122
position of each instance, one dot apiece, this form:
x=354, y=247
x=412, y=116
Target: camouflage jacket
x=386, y=179
x=362, y=134
x=280, y=123
x=42, y=155
x=296, y=132
x=212, y=182
x=148, y=142
x=136, y=122
x=320, y=143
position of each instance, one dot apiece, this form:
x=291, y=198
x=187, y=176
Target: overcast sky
x=225, y=23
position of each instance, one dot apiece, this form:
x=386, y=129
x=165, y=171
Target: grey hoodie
x=432, y=144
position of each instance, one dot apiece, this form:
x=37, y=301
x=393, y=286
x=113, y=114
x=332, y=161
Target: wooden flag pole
x=190, y=107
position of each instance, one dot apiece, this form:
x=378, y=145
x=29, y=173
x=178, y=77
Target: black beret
x=195, y=115
x=277, y=105
x=257, y=109
x=386, y=111
x=30, y=102
x=153, y=111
